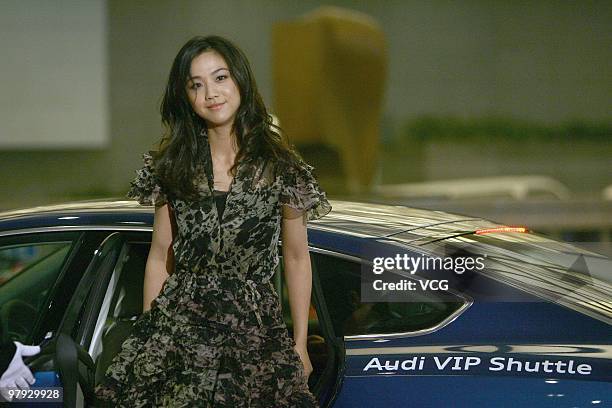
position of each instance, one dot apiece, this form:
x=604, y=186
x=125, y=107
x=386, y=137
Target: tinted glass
x=341, y=283
x=29, y=267
x=576, y=276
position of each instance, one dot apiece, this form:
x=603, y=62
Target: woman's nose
x=211, y=92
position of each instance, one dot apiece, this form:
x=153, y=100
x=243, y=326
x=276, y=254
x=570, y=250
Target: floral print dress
x=215, y=335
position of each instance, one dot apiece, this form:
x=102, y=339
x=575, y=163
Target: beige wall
x=53, y=78
x=546, y=60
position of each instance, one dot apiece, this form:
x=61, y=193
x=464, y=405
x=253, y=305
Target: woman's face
x=212, y=92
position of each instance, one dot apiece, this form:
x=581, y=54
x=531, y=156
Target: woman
x=225, y=187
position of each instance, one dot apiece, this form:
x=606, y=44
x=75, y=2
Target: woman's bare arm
x=298, y=273
x=160, y=263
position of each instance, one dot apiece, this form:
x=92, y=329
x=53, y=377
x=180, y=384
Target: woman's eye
x=221, y=77
x=195, y=85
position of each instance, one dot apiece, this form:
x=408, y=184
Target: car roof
x=361, y=219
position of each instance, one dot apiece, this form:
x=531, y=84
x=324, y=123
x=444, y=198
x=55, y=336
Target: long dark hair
x=182, y=146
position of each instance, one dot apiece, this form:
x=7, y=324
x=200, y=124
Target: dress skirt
x=168, y=364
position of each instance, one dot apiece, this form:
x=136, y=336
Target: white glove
x=18, y=375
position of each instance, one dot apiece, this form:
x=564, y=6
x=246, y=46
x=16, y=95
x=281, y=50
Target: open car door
x=65, y=360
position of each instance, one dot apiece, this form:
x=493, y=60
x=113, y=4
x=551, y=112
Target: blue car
x=521, y=321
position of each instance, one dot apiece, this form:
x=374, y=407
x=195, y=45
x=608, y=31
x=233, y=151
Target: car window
x=561, y=272
x=340, y=281
x=29, y=267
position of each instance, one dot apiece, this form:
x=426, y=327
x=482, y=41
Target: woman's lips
x=216, y=107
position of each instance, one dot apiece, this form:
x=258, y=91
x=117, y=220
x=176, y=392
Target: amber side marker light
x=500, y=229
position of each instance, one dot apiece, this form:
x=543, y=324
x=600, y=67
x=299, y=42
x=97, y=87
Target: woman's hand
x=303, y=353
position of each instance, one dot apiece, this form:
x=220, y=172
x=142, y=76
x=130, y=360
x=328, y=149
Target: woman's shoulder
x=146, y=187
x=301, y=191
x=149, y=160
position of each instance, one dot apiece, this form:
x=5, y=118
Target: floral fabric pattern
x=215, y=335
x=146, y=187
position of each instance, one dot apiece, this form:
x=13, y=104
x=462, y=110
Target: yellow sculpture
x=329, y=70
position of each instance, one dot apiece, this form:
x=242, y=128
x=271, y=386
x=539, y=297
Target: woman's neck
x=222, y=145
x=223, y=154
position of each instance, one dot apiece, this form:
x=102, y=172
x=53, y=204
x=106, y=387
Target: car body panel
x=464, y=391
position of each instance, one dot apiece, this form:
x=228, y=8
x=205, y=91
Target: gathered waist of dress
x=249, y=266
x=238, y=303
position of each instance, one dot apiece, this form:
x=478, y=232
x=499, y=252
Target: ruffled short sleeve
x=301, y=191
x=146, y=187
